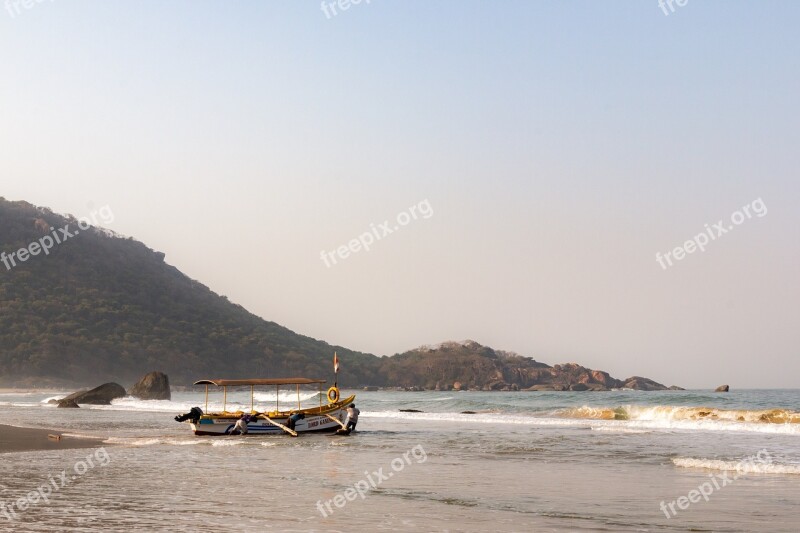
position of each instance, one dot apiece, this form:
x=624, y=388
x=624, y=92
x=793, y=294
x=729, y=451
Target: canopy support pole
x=224, y=399
x=251, y=398
x=277, y=398
x=298, y=396
x=206, y=398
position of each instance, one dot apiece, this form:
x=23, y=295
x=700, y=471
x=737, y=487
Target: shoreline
x=15, y=439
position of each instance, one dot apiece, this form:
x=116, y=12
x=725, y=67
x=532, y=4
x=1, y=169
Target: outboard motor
x=193, y=416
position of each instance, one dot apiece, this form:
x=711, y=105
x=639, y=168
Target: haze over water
x=561, y=146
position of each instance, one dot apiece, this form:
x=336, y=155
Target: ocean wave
x=591, y=423
x=592, y=413
x=285, y=396
x=744, y=467
x=22, y=404
x=669, y=412
x=129, y=403
x=81, y=436
x=152, y=441
x=47, y=400
x=620, y=429
x=131, y=441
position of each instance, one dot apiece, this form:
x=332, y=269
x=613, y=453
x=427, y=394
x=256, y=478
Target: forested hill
x=100, y=307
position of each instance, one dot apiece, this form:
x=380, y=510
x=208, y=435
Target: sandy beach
x=15, y=439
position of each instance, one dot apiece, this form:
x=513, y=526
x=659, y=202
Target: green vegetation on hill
x=100, y=307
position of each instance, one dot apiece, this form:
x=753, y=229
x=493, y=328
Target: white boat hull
x=224, y=425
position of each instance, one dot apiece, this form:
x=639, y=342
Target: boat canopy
x=251, y=382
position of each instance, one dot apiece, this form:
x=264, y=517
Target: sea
x=461, y=461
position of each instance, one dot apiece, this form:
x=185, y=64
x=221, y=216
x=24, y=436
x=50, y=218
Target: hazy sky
x=559, y=146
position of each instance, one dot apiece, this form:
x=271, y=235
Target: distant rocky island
x=105, y=308
x=470, y=366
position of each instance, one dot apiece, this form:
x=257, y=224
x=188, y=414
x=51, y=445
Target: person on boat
x=352, y=418
x=293, y=419
x=241, y=425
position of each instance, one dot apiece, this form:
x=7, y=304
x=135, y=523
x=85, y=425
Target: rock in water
x=101, y=395
x=640, y=383
x=153, y=386
x=547, y=387
x=722, y=388
x=69, y=404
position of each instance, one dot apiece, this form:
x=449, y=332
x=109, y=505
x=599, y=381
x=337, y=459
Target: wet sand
x=14, y=439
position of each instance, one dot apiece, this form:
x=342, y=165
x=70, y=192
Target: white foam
x=176, y=442
x=47, y=400
x=132, y=441
x=81, y=436
x=488, y=418
x=285, y=396
x=264, y=402
x=227, y=442
x=753, y=466
x=129, y=403
x=658, y=424
x=616, y=429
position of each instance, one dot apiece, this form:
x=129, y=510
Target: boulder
x=457, y=385
x=496, y=386
x=68, y=404
x=547, y=387
x=640, y=383
x=101, y=395
x=722, y=388
x=675, y=387
x=153, y=386
x=578, y=387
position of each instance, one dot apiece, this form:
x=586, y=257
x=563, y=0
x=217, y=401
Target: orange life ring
x=333, y=395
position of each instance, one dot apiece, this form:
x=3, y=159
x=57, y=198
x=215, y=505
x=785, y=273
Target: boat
x=327, y=417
